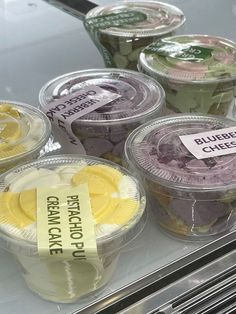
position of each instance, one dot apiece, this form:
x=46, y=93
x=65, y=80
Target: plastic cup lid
x=154, y=18
x=23, y=130
x=191, y=58
x=141, y=96
x=117, y=199
x=157, y=152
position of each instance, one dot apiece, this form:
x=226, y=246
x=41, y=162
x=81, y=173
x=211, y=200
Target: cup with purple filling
x=192, y=198
x=103, y=131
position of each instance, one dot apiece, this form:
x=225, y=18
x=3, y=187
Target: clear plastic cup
x=194, y=199
x=121, y=30
x=24, y=130
x=198, y=72
x=103, y=132
x=117, y=205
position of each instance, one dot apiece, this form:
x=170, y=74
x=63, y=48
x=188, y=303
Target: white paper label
x=62, y=112
x=65, y=224
x=211, y=143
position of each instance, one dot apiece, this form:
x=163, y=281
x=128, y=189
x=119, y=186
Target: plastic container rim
x=142, y=64
x=159, y=104
x=44, y=138
x=128, y=155
x=73, y=158
x=144, y=33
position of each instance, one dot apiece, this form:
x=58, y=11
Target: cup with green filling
x=121, y=30
x=198, y=72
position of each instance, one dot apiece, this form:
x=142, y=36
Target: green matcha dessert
x=198, y=72
x=121, y=30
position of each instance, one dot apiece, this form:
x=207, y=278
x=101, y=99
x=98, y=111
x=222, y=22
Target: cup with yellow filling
x=24, y=130
x=90, y=208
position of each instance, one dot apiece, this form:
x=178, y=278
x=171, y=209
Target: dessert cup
x=24, y=130
x=116, y=202
x=103, y=131
x=194, y=199
x=121, y=30
x=198, y=72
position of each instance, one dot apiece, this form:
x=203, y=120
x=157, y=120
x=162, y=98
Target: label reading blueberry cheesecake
x=185, y=52
x=62, y=112
x=94, y=24
x=211, y=143
x=65, y=225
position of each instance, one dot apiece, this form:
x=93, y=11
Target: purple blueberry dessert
x=192, y=198
x=103, y=131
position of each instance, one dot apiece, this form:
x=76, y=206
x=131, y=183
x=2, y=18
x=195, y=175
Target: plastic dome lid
x=141, y=96
x=191, y=58
x=117, y=199
x=23, y=130
x=157, y=152
x=154, y=18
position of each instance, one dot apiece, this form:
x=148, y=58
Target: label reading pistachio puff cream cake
x=65, y=225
